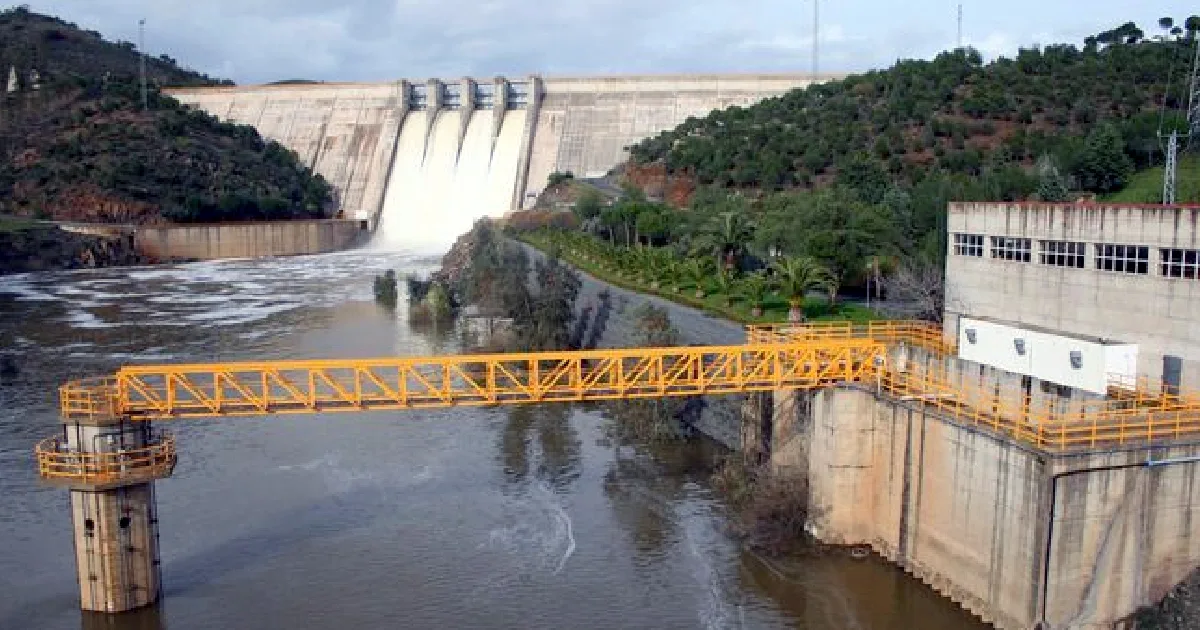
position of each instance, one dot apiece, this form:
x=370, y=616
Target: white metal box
x=1086, y=363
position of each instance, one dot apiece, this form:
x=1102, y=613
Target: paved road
x=695, y=327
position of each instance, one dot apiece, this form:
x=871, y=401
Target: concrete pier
x=110, y=464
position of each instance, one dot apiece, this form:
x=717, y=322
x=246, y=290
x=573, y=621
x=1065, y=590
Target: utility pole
x=960, y=25
x=1171, y=163
x=1170, y=168
x=1193, y=114
x=816, y=39
x=142, y=61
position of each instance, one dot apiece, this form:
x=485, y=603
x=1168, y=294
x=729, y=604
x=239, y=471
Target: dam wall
x=423, y=159
x=345, y=132
x=584, y=124
x=247, y=240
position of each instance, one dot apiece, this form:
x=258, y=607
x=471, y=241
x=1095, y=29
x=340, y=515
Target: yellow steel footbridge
x=109, y=454
x=774, y=357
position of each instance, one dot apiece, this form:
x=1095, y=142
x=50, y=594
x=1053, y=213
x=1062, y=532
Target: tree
x=918, y=282
x=1051, y=185
x=754, y=289
x=727, y=234
x=797, y=275
x=588, y=205
x=1103, y=166
x=697, y=272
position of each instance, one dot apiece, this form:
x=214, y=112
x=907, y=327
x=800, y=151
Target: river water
x=464, y=518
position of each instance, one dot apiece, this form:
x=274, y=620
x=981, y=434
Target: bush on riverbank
x=771, y=508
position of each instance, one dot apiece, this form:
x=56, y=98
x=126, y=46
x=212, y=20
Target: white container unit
x=1086, y=363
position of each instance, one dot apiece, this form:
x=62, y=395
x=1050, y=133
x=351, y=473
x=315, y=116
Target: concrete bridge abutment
x=1021, y=537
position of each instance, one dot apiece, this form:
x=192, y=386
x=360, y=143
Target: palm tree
x=754, y=289
x=723, y=281
x=697, y=271
x=797, y=276
x=727, y=234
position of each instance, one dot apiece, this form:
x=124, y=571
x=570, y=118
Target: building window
x=1063, y=253
x=1123, y=258
x=968, y=245
x=1010, y=248
x=1181, y=263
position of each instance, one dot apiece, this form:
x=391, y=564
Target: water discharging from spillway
x=438, y=186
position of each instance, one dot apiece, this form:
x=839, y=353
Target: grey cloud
x=254, y=41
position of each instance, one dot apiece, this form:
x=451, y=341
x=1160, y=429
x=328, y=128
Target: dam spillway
x=422, y=160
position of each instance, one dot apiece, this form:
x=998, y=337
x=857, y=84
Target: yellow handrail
x=57, y=462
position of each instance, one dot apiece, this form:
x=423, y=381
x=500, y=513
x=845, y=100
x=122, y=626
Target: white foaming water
x=502, y=177
x=468, y=198
x=441, y=183
x=396, y=216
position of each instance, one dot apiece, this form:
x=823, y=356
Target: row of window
x=1134, y=259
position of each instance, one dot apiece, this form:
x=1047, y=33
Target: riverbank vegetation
x=77, y=142
x=771, y=509
x=743, y=261
x=495, y=276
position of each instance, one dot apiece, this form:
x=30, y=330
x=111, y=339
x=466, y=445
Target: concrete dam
x=423, y=160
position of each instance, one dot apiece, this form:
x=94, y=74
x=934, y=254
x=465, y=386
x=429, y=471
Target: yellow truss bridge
x=773, y=358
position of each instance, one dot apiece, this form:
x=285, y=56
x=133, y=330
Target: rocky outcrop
x=676, y=189
x=43, y=248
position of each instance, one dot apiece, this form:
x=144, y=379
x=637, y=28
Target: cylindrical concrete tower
x=109, y=463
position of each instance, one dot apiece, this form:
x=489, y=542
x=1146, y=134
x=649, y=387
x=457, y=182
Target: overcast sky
x=254, y=41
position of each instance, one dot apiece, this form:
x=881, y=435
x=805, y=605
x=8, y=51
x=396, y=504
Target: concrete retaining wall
x=976, y=515
x=248, y=240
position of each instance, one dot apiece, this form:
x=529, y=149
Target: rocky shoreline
x=47, y=248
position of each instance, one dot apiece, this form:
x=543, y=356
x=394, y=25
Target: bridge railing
x=58, y=463
x=258, y=388
x=91, y=400
x=924, y=334
x=1048, y=423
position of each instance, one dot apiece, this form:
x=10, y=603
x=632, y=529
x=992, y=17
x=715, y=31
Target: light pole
x=142, y=61
x=816, y=39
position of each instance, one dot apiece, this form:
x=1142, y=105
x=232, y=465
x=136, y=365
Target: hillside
x=953, y=113
x=953, y=126
x=1146, y=186
x=75, y=143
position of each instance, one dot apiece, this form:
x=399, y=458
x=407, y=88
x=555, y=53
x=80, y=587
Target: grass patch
x=1146, y=186
x=775, y=307
x=15, y=224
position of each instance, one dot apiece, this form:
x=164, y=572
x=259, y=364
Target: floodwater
x=465, y=518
